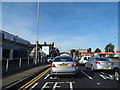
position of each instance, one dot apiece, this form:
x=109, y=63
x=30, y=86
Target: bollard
x=28, y=61
x=38, y=60
x=19, y=62
x=41, y=58
x=7, y=64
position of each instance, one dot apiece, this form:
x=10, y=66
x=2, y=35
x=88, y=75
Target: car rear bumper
x=57, y=71
x=63, y=73
x=103, y=68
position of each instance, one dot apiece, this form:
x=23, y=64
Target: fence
x=16, y=63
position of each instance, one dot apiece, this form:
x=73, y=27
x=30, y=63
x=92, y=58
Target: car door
x=89, y=62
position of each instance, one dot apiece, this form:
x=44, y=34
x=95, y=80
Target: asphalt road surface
x=84, y=79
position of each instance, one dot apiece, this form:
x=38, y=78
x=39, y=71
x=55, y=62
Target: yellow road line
x=33, y=80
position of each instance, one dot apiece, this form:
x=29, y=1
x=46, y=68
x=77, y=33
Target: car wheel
x=117, y=75
x=92, y=68
x=86, y=66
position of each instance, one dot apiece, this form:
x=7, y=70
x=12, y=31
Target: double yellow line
x=27, y=85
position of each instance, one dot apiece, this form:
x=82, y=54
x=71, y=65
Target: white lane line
x=103, y=76
x=112, y=77
x=86, y=75
x=102, y=73
x=98, y=83
x=53, y=77
x=34, y=86
x=47, y=76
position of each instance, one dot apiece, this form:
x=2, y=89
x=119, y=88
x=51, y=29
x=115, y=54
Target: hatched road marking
x=86, y=75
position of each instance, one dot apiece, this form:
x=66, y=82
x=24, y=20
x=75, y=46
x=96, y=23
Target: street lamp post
x=38, y=15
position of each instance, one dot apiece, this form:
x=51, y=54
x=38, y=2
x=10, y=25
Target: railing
x=16, y=63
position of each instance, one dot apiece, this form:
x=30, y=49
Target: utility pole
x=37, y=29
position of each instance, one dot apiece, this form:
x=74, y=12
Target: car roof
x=98, y=57
x=86, y=56
x=62, y=56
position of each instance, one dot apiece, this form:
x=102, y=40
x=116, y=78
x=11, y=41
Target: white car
x=84, y=59
x=63, y=65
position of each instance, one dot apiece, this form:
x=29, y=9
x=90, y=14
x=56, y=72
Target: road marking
x=71, y=85
x=86, y=75
x=103, y=76
x=33, y=86
x=102, y=73
x=53, y=78
x=111, y=76
x=55, y=85
x=45, y=85
x=106, y=77
x=98, y=83
x=47, y=76
x=34, y=80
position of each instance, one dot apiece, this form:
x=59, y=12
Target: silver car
x=116, y=72
x=63, y=65
x=99, y=63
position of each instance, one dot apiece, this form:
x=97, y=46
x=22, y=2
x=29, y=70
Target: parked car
x=63, y=65
x=84, y=59
x=116, y=72
x=99, y=63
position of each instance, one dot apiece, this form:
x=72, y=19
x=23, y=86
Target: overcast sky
x=70, y=25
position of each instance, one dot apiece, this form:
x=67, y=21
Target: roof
x=107, y=53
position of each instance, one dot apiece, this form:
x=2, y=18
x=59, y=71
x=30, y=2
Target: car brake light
x=74, y=65
x=52, y=65
x=112, y=63
x=97, y=62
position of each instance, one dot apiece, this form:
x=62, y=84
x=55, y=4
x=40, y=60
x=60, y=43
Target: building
x=45, y=49
x=82, y=50
x=13, y=46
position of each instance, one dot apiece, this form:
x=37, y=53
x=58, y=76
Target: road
x=84, y=79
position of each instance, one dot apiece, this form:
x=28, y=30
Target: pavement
x=18, y=77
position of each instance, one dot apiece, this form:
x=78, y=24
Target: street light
x=38, y=16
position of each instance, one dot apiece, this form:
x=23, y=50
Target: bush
x=114, y=58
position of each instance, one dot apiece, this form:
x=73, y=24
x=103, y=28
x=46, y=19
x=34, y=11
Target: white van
x=84, y=59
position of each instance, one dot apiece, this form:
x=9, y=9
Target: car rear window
x=101, y=59
x=63, y=59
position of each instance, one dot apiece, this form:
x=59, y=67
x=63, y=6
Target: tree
x=97, y=50
x=109, y=48
x=72, y=51
x=76, y=52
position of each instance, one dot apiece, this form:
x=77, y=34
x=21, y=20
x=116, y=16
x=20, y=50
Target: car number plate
x=106, y=67
x=63, y=64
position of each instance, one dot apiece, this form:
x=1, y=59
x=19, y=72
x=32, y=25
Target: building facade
x=13, y=46
x=45, y=50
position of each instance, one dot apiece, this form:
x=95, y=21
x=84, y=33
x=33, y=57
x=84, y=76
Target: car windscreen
x=63, y=59
x=102, y=59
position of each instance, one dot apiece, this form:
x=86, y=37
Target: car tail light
x=74, y=65
x=112, y=63
x=52, y=65
x=97, y=62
